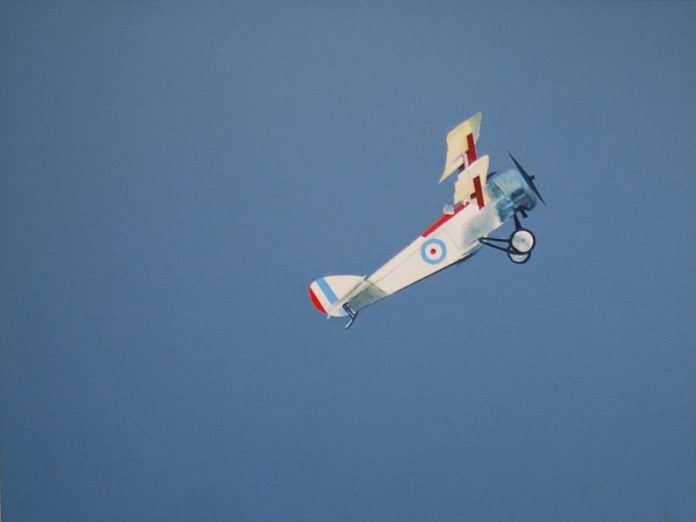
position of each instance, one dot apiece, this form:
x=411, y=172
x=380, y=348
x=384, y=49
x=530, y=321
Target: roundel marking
x=433, y=251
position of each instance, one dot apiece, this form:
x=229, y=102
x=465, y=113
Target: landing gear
x=522, y=240
x=519, y=259
x=518, y=246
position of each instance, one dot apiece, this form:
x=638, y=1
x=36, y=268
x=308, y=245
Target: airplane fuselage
x=453, y=237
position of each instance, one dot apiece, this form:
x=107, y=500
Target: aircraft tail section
x=344, y=295
x=327, y=293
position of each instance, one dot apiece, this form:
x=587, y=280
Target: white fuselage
x=449, y=240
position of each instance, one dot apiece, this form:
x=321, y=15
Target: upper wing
x=461, y=145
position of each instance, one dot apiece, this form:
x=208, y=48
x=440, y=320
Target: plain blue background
x=175, y=174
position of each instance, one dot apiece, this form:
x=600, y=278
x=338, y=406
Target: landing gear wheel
x=521, y=242
x=519, y=259
x=518, y=246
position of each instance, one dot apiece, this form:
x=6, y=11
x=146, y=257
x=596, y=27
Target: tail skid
x=351, y=313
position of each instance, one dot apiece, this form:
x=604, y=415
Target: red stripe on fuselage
x=444, y=219
x=470, y=149
x=315, y=301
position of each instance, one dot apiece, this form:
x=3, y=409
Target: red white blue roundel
x=433, y=251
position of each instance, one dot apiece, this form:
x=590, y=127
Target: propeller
x=528, y=177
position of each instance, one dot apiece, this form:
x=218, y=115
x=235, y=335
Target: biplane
x=483, y=202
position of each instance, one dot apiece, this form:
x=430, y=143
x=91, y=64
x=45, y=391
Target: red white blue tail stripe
x=322, y=295
x=327, y=292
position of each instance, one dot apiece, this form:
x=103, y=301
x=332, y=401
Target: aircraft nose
x=514, y=186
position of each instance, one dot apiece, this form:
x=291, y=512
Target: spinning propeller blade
x=529, y=178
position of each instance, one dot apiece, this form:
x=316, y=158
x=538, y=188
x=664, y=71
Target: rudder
x=326, y=291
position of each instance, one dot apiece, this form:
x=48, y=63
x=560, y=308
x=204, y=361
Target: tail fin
x=325, y=292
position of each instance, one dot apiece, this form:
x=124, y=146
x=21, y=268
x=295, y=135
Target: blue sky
x=175, y=174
